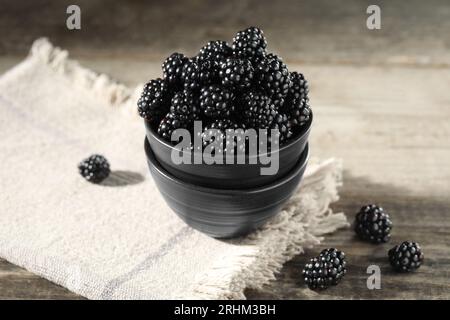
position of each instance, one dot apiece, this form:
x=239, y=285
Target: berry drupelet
x=257, y=109
x=173, y=67
x=249, y=43
x=406, y=257
x=94, y=169
x=236, y=73
x=273, y=76
x=373, y=224
x=216, y=101
x=325, y=270
x=155, y=100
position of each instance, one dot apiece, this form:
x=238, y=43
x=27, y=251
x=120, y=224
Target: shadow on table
x=121, y=178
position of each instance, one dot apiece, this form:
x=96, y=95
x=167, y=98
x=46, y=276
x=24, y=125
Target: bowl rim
x=306, y=128
x=301, y=163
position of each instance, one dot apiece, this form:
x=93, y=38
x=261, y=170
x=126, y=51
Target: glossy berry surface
x=154, y=100
x=216, y=101
x=373, y=224
x=406, y=257
x=257, y=109
x=249, y=43
x=94, y=169
x=326, y=270
x=173, y=67
x=236, y=73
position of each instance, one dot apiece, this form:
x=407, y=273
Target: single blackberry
x=282, y=123
x=249, y=43
x=191, y=75
x=406, y=257
x=373, y=224
x=299, y=112
x=258, y=110
x=94, y=169
x=168, y=125
x=215, y=51
x=173, y=67
x=208, y=72
x=184, y=107
x=154, y=100
x=272, y=75
x=222, y=125
x=299, y=88
x=325, y=270
x=216, y=101
x=236, y=73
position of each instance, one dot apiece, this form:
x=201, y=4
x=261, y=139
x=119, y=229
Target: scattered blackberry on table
x=273, y=76
x=258, y=110
x=155, y=100
x=406, y=257
x=249, y=43
x=216, y=101
x=173, y=67
x=325, y=270
x=373, y=224
x=94, y=169
x=236, y=73
x=282, y=123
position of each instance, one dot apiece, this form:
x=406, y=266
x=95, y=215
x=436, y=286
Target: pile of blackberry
x=239, y=85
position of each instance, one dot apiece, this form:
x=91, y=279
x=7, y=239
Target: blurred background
x=381, y=101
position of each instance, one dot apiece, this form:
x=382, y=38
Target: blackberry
x=273, y=76
x=282, y=123
x=258, y=110
x=185, y=107
x=373, y=224
x=208, y=72
x=406, y=257
x=215, y=51
x=325, y=270
x=169, y=124
x=173, y=67
x=155, y=100
x=249, y=43
x=191, y=75
x=236, y=73
x=94, y=169
x=299, y=112
x=216, y=101
x=299, y=88
x=221, y=125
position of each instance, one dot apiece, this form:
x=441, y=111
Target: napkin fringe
x=100, y=85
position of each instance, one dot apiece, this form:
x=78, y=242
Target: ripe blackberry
x=299, y=88
x=373, y=224
x=299, y=112
x=222, y=125
x=258, y=110
x=185, y=107
x=191, y=75
x=215, y=51
x=94, y=169
x=208, y=72
x=273, y=76
x=325, y=270
x=169, y=124
x=406, y=257
x=173, y=67
x=236, y=73
x=216, y=101
x=249, y=43
x=282, y=123
x=154, y=100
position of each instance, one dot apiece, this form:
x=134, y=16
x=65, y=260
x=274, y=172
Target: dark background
x=381, y=100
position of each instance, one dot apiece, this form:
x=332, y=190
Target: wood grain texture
x=383, y=107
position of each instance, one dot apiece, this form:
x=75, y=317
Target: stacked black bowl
x=226, y=200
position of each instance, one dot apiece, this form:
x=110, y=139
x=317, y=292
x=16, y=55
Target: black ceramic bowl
x=227, y=176
x=225, y=213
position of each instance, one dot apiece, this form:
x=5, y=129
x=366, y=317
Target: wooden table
x=381, y=101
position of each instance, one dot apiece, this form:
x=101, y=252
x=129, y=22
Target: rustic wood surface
x=381, y=101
